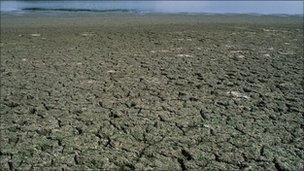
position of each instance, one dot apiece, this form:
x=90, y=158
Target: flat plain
x=154, y=91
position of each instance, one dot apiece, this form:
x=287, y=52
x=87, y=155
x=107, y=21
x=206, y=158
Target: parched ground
x=162, y=92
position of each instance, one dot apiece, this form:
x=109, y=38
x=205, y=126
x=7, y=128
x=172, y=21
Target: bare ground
x=151, y=92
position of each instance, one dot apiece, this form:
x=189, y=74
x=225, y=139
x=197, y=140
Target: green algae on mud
x=151, y=92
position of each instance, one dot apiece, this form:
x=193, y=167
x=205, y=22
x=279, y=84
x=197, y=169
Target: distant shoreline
x=83, y=11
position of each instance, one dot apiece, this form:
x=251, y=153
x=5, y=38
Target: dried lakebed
x=144, y=93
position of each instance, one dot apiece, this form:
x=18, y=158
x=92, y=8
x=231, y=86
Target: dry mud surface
x=151, y=92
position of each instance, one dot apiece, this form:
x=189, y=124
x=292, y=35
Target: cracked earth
x=135, y=95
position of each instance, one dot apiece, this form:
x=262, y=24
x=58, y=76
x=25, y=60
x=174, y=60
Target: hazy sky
x=289, y=7
x=262, y=7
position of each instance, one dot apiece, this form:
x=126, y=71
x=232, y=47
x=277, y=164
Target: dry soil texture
x=185, y=92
